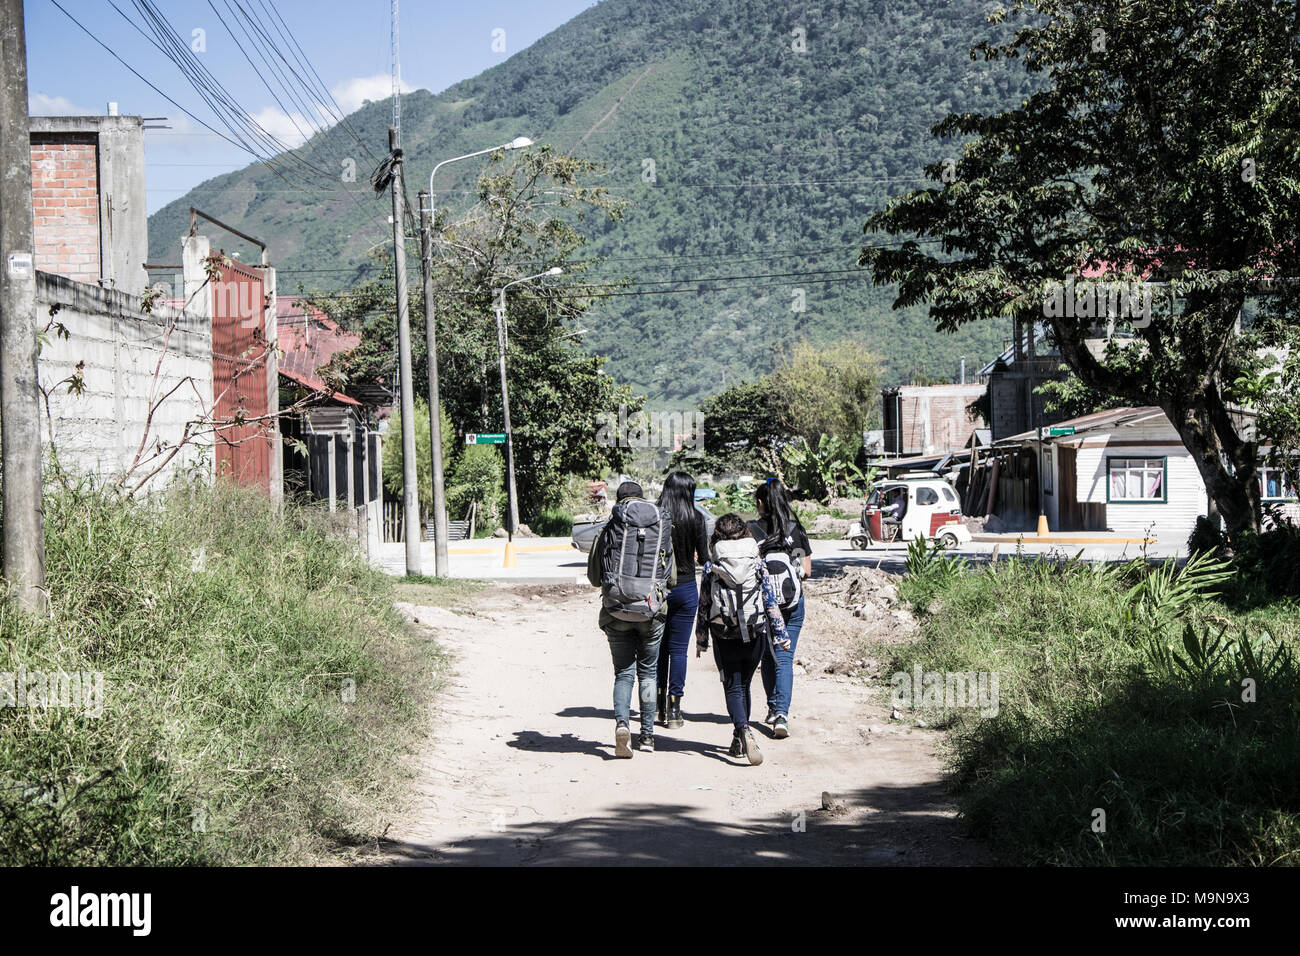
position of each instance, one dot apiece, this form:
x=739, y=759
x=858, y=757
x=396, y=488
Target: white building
x=1126, y=470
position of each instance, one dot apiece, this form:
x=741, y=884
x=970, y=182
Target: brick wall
x=65, y=203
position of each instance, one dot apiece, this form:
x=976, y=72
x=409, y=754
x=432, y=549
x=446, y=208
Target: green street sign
x=1056, y=430
x=497, y=439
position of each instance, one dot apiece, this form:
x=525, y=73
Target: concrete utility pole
x=410, y=487
x=20, y=424
x=435, y=402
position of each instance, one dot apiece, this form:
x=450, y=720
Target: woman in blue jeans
x=690, y=542
x=777, y=529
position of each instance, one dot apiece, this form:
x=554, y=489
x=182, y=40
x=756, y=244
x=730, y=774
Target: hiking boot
x=646, y=743
x=622, y=741
x=674, y=713
x=661, y=711
x=737, y=746
x=780, y=727
x=751, y=748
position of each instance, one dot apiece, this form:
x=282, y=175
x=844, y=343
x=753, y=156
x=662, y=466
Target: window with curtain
x=1136, y=479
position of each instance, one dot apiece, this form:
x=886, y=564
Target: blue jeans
x=778, y=665
x=683, y=601
x=634, y=645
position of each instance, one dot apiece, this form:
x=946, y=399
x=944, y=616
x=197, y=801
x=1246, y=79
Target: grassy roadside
x=1123, y=697
x=259, y=689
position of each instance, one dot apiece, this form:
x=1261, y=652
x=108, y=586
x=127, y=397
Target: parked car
x=931, y=510
x=586, y=528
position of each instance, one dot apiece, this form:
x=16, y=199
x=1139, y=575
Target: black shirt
x=689, y=543
x=802, y=547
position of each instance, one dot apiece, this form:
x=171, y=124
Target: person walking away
x=787, y=553
x=690, y=544
x=738, y=610
x=632, y=564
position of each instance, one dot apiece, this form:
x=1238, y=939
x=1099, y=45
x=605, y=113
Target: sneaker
x=771, y=716
x=737, y=747
x=646, y=743
x=751, y=748
x=622, y=741
x=780, y=727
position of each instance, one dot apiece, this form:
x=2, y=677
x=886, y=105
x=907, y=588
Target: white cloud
x=352, y=94
x=42, y=104
x=291, y=129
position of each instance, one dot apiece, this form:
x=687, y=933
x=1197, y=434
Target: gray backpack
x=634, y=565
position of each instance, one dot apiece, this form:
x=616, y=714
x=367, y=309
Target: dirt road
x=520, y=768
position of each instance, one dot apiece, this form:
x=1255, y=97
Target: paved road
x=554, y=560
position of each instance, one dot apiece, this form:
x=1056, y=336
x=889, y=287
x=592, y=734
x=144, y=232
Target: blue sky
x=347, y=41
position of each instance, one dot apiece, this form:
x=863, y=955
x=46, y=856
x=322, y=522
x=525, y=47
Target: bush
x=227, y=635
x=479, y=476
x=1102, y=709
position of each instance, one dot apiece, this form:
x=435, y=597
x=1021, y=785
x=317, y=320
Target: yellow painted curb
x=1032, y=538
x=519, y=549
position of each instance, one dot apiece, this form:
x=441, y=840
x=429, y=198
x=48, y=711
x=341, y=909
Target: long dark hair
x=678, y=499
x=778, y=514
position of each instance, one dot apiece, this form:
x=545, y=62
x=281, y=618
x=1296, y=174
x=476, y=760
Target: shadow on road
x=607, y=714
x=880, y=826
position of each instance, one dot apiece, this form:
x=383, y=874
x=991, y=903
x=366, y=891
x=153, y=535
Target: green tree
x=1162, y=146
x=742, y=431
x=479, y=476
x=526, y=220
x=828, y=389
x=423, y=458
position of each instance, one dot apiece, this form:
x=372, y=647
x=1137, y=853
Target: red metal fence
x=239, y=367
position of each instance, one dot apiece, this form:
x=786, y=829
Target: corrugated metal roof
x=1110, y=418
x=309, y=339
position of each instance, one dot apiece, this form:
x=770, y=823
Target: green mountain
x=751, y=137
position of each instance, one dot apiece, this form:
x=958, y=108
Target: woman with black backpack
x=738, y=609
x=690, y=541
x=787, y=552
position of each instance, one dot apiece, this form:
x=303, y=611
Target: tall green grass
x=258, y=687
x=1096, y=714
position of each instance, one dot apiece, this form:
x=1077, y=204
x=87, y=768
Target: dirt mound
x=849, y=617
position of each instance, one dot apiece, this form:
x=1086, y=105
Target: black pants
x=737, y=660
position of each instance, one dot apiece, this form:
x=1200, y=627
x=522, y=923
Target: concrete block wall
x=99, y=430
x=65, y=204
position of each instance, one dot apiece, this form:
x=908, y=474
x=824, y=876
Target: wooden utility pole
x=20, y=424
x=410, y=486
x=435, y=401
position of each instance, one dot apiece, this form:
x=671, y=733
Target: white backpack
x=735, y=592
x=786, y=573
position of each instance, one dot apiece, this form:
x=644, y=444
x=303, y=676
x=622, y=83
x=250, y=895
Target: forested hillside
x=751, y=139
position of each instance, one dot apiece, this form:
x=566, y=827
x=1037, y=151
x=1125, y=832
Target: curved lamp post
x=431, y=342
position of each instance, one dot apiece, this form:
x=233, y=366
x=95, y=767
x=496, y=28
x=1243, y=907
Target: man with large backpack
x=632, y=563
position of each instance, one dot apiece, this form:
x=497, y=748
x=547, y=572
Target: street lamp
x=511, y=492
x=431, y=341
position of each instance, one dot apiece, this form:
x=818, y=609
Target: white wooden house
x=1126, y=470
